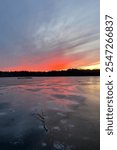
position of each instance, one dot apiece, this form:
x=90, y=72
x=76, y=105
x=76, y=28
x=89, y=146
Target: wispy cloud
x=38, y=34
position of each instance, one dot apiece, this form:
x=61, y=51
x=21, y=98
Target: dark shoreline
x=67, y=73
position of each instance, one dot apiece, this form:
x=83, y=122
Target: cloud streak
x=47, y=35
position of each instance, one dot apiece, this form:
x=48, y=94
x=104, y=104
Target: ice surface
x=49, y=113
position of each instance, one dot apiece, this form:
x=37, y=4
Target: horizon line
x=50, y=70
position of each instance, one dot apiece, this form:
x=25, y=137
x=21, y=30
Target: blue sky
x=49, y=34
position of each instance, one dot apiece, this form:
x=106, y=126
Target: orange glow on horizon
x=54, y=64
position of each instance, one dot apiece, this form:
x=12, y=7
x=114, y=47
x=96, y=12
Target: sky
x=44, y=35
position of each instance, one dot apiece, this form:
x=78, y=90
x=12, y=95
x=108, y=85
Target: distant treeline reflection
x=69, y=72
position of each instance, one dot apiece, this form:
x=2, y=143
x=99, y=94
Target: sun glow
x=91, y=67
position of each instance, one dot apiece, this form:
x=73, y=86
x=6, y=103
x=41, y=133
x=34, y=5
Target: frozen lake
x=50, y=113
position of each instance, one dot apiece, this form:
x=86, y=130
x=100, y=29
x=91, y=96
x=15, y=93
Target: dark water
x=56, y=113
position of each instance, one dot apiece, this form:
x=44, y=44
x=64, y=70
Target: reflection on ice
x=49, y=113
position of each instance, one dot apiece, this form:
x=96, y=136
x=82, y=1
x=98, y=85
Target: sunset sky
x=43, y=35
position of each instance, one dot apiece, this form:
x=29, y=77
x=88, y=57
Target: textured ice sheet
x=49, y=113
